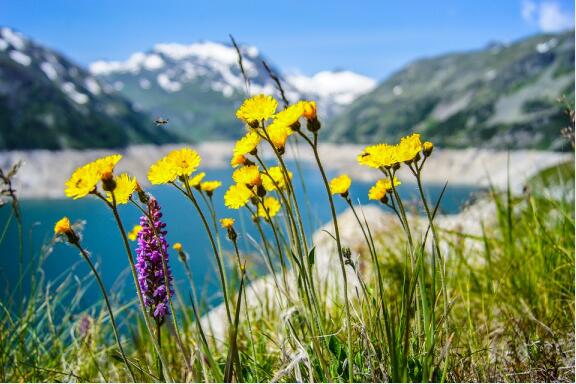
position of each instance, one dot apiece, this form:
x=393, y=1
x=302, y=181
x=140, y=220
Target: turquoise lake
x=101, y=237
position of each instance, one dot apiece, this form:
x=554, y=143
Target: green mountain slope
x=504, y=96
x=48, y=102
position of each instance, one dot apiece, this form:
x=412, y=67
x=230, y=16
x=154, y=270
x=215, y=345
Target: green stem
x=159, y=341
x=108, y=306
x=221, y=272
x=340, y=253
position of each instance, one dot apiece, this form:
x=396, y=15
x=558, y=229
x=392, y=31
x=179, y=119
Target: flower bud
x=313, y=125
x=384, y=199
x=428, y=147
x=108, y=183
x=63, y=227
x=260, y=190
x=142, y=196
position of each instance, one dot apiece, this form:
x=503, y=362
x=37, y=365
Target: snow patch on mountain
x=165, y=82
x=134, y=64
x=13, y=38
x=342, y=87
x=20, y=58
x=71, y=91
x=49, y=70
x=92, y=85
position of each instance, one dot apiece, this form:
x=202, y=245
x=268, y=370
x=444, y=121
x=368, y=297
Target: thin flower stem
x=221, y=272
x=114, y=209
x=370, y=244
x=418, y=175
x=269, y=259
x=290, y=188
x=108, y=306
x=159, y=341
x=314, y=146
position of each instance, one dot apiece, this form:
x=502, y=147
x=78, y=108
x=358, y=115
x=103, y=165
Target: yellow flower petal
x=256, y=109
x=340, y=185
x=62, y=226
x=275, y=177
x=378, y=156
x=133, y=234
x=269, y=208
x=247, y=175
x=227, y=222
x=247, y=144
x=195, y=180
x=125, y=187
x=409, y=147
x=210, y=186
x=237, y=196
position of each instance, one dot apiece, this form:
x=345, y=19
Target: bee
x=160, y=121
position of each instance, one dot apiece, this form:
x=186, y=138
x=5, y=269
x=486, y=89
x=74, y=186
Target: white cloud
x=547, y=15
x=552, y=18
x=528, y=10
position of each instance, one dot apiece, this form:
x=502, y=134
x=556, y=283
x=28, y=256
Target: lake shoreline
x=44, y=172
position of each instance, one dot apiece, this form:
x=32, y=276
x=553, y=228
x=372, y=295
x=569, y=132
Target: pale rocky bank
x=44, y=172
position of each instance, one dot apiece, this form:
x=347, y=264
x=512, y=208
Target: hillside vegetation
x=503, y=96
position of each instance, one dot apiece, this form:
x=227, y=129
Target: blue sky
x=370, y=37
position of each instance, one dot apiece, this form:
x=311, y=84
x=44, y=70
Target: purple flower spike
x=151, y=249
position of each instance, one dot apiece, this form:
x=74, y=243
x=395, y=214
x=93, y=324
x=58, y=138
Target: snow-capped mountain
x=46, y=101
x=197, y=86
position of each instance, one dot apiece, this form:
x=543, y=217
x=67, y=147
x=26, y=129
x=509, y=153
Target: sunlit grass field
x=425, y=304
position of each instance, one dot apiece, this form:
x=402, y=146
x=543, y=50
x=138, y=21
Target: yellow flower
x=409, y=148
x=256, y=109
x=125, y=187
x=195, y=180
x=237, y=196
x=427, y=148
x=278, y=133
x=177, y=247
x=309, y=110
x=83, y=181
x=247, y=175
x=185, y=161
x=227, y=222
x=383, y=186
x=210, y=186
x=247, y=144
x=290, y=115
x=133, y=234
x=377, y=192
x=162, y=172
x=340, y=185
x=388, y=184
x=379, y=155
x=107, y=164
x=62, y=226
x=237, y=160
x=270, y=207
x=179, y=162
x=276, y=178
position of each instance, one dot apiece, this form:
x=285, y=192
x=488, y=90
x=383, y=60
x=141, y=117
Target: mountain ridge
x=502, y=96
x=170, y=77
x=47, y=101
